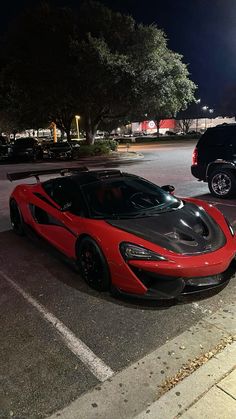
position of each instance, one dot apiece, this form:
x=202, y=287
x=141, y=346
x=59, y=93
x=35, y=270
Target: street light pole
x=197, y=102
x=77, y=117
x=54, y=127
x=211, y=111
x=204, y=108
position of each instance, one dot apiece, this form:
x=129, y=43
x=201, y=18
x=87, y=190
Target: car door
x=54, y=222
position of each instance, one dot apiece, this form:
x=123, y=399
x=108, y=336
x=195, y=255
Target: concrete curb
x=134, y=389
x=176, y=401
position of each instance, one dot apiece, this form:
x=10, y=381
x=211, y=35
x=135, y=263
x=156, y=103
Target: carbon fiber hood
x=188, y=230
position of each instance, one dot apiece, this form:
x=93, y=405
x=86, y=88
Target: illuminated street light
x=54, y=127
x=77, y=117
x=204, y=108
x=211, y=111
x=197, y=102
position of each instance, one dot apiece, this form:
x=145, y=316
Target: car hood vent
x=188, y=230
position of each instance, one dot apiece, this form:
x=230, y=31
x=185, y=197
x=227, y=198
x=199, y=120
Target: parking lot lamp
x=205, y=108
x=77, y=117
x=211, y=111
x=197, y=103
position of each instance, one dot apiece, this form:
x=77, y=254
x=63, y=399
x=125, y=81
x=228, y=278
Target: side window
x=219, y=137
x=48, y=187
x=214, y=138
x=64, y=192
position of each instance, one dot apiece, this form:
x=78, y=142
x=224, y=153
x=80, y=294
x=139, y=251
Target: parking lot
x=59, y=338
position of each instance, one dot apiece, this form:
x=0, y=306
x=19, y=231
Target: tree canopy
x=92, y=62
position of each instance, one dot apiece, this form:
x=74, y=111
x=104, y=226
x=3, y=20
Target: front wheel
x=222, y=183
x=93, y=265
x=16, y=218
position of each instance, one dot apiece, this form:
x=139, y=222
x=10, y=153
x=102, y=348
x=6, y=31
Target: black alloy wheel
x=16, y=218
x=93, y=265
x=222, y=183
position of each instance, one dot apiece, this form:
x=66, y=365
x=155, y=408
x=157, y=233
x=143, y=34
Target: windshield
x=127, y=197
x=60, y=144
x=25, y=142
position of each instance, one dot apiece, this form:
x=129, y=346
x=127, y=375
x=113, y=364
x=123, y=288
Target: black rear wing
x=36, y=173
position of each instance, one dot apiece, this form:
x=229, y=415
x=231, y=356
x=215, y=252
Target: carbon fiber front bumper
x=171, y=288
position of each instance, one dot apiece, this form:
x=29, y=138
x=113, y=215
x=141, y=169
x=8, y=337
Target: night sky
x=203, y=31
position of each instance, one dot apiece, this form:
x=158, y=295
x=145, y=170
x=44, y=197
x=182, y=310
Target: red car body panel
x=70, y=228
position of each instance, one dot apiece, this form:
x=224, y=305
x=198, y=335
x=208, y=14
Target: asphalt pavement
x=58, y=336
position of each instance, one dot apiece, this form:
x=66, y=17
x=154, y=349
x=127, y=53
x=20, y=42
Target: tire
x=222, y=183
x=33, y=157
x=17, y=222
x=93, y=265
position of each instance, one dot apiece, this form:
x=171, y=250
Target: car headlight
x=132, y=251
x=230, y=227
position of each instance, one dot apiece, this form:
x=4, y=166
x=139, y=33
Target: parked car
x=25, y=149
x=62, y=150
x=126, y=233
x=75, y=143
x=3, y=152
x=192, y=132
x=170, y=133
x=214, y=161
x=3, y=140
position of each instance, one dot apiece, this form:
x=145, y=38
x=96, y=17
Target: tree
x=131, y=70
x=96, y=63
x=166, y=87
x=36, y=78
x=186, y=117
x=185, y=124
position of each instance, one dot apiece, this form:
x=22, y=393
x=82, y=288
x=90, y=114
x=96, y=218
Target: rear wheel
x=222, y=183
x=16, y=218
x=93, y=265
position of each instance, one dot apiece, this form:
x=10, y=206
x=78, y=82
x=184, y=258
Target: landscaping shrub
x=110, y=142
x=100, y=147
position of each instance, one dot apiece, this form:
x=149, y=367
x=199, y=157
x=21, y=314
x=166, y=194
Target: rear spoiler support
x=62, y=171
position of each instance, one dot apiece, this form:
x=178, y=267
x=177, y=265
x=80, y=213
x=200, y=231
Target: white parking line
x=98, y=368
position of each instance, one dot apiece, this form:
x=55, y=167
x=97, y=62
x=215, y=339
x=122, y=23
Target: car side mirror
x=168, y=188
x=66, y=207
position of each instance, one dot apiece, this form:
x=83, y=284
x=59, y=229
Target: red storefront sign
x=169, y=124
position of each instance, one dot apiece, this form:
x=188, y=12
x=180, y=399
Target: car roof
x=87, y=177
x=222, y=126
x=25, y=138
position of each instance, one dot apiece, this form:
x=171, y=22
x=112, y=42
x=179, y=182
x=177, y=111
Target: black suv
x=214, y=160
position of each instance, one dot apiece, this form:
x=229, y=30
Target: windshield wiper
x=152, y=212
x=147, y=213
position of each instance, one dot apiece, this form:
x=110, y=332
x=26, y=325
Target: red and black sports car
x=126, y=233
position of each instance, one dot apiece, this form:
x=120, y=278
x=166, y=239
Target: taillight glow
x=194, y=157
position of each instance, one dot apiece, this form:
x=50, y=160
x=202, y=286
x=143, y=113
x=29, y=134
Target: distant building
x=149, y=127
x=201, y=124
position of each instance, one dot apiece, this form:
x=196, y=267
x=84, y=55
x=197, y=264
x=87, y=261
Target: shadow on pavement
x=44, y=261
